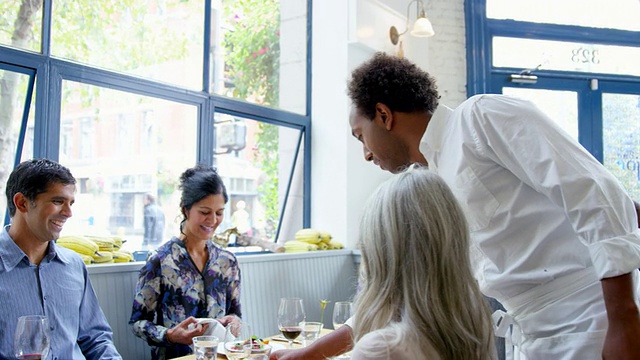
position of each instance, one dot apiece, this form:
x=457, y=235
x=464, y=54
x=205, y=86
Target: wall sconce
x=421, y=28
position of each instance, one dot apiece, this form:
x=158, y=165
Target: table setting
x=237, y=340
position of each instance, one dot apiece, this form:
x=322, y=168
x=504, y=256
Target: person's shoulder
x=223, y=254
x=388, y=343
x=226, y=254
x=489, y=101
x=373, y=345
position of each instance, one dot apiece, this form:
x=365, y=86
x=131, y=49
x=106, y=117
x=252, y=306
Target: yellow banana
x=122, y=256
x=104, y=243
x=308, y=235
x=117, y=242
x=86, y=258
x=79, y=244
x=298, y=246
x=325, y=237
x=322, y=246
x=336, y=244
x=103, y=257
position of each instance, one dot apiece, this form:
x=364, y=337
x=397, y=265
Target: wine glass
x=31, y=338
x=237, y=340
x=342, y=311
x=290, y=318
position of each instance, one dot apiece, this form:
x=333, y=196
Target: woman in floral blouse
x=188, y=277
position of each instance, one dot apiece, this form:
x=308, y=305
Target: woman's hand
x=181, y=334
x=226, y=320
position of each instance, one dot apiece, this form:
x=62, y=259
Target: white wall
x=341, y=179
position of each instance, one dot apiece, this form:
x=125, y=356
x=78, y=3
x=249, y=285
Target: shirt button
x=45, y=297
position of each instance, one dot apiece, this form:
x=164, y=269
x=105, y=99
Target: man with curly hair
x=554, y=236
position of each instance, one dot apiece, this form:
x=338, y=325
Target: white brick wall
x=447, y=51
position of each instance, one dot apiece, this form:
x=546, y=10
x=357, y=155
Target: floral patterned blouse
x=171, y=288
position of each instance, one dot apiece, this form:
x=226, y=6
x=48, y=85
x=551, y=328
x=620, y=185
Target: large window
x=131, y=93
x=577, y=63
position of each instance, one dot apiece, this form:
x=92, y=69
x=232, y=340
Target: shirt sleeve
x=145, y=303
x=95, y=337
x=521, y=138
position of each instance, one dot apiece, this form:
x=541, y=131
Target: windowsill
x=243, y=257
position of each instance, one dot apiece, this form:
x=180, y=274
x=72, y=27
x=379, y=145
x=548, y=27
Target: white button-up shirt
x=539, y=206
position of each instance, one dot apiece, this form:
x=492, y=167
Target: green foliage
x=253, y=49
x=268, y=160
x=123, y=35
x=253, y=62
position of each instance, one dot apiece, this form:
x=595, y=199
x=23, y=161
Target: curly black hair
x=393, y=81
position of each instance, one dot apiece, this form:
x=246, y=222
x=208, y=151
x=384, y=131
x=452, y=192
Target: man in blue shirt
x=39, y=278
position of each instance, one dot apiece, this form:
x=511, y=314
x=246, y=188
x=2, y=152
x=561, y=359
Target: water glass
x=205, y=347
x=310, y=332
x=237, y=340
x=342, y=311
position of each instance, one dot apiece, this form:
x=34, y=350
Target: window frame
x=483, y=78
x=51, y=71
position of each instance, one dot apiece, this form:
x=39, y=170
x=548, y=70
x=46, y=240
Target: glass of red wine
x=290, y=318
x=31, y=338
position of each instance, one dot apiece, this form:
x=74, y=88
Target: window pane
x=567, y=56
x=121, y=146
x=621, y=126
x=259, y=52
x=144, y=37
x=613, y=14
x=255, y=160
x=13, y=93
x=561, y=106
x=21, y=24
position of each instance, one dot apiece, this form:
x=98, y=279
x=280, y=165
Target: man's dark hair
x=33, y=177
x=393, y=81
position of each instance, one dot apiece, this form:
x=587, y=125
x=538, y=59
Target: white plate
x=274, y=346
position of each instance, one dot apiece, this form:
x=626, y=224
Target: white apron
x=567, y=314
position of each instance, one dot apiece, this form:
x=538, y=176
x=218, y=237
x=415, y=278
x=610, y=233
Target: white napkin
x=215, y=328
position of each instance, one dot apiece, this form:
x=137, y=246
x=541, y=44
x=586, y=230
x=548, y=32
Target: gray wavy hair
x=417, y=280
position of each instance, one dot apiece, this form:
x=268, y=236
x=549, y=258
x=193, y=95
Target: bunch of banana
x=105, y=243
x=104, y=257
x=299, y=246
x=120, y=256
x=79, y=244
x=308, y=235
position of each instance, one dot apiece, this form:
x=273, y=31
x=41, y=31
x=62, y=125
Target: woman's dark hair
x=197, y=183
x=393, y=81
x=33, y=177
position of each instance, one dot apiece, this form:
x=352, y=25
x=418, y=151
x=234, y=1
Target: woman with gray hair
x=419, y=299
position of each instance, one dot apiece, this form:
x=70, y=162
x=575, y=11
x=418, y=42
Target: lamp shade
x=422, y=28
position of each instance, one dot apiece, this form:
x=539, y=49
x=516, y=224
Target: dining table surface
x=296, y=345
